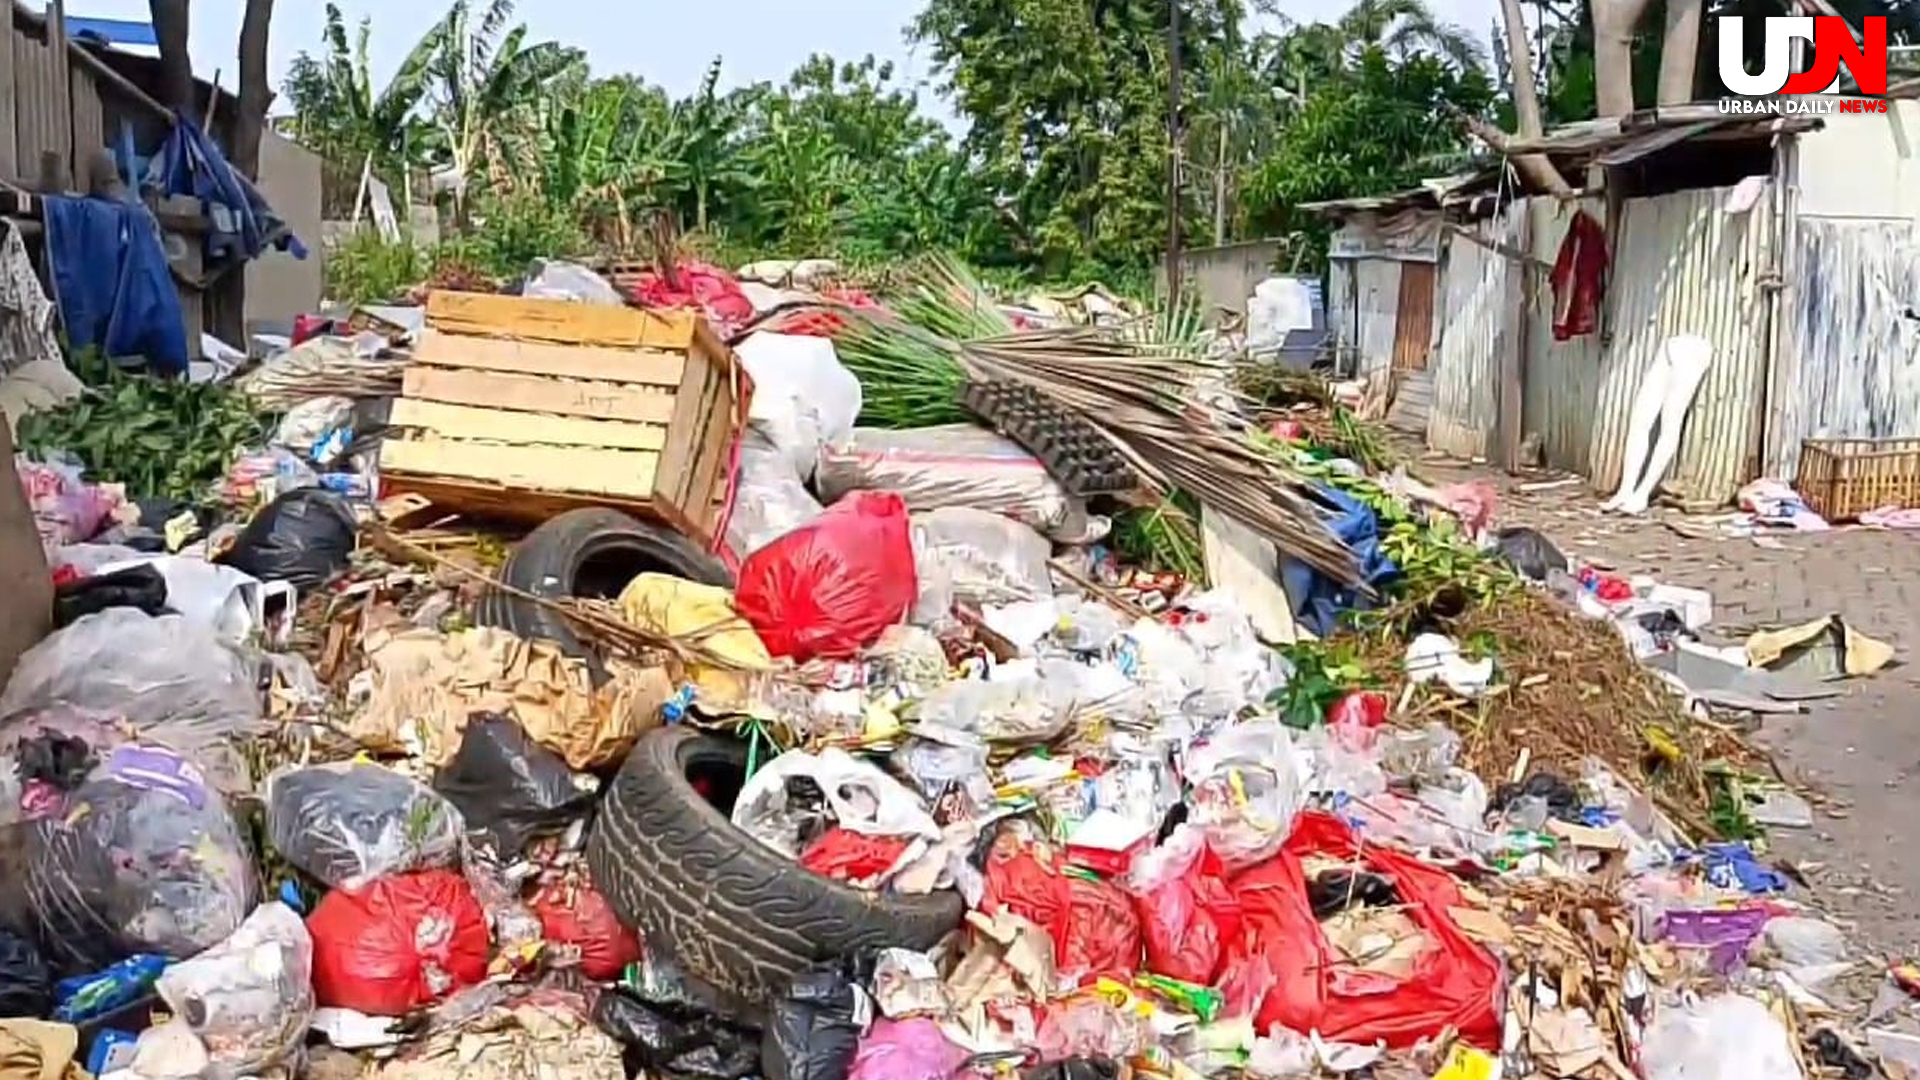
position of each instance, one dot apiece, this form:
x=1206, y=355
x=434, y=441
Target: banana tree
x=338, y=111
x=705, y=136
x=484, y=82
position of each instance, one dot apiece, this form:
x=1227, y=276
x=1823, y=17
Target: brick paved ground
x=1860, y=751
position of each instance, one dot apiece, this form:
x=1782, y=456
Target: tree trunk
x=255, y=91
x=171, y=19
x=1220, y=190
x=1536, y=168
x=1613, y=26
x=1679, y=50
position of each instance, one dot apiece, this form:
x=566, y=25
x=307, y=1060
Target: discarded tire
x=718, y=904
x=590, y=552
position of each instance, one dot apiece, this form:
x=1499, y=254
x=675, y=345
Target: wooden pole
x=1173, y=148
x=63, y=80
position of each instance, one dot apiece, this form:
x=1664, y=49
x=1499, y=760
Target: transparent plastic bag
x=147, y=669
x=954, y=465
x=862, y=798
x=349, y=822
x=29, y=738
x=981, y=556
x=1246, y=790
x=249, y=998
x=147, y=858
x=558, y=279
x=770, y=501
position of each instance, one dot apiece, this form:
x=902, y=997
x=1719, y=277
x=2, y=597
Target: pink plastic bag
x=66, y=509
x=829, y=587
x=906, y=1050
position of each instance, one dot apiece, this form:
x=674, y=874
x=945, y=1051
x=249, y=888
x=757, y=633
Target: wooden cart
x=522, y=409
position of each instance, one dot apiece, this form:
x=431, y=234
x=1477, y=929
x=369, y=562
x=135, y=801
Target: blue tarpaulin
x=1317, y=599
x=111, y=281
x=243, y=224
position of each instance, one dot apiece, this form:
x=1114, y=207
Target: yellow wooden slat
x=499, y=425
x=533, y=393
x=649, y=366
x=621, y=473
x=488, y=315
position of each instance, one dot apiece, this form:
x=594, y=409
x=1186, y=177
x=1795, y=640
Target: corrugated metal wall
x=1475, y=319
x=1681, y=266
x=1849, y=365
x=1342, y=327
x=1561, y=377
x=1376, y=310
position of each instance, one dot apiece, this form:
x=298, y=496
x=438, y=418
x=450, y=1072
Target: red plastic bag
x=829, y=587
x=845, y=855
x=400, y=943
x=708, y=289
x=1455, y=983
x=575, y=916
x=1187, y=912
x=1026, y=880
x=1103, y=936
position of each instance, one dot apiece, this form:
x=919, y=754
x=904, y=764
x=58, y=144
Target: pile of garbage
x=931, y=783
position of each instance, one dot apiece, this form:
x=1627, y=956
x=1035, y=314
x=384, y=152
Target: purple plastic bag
x=906, y=1050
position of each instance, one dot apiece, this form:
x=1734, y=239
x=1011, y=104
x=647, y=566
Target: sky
x=667, y=43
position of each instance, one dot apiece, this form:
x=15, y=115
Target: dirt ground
x=1859, y=751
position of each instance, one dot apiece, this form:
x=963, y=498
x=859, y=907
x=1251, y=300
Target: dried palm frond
x=1144, y=400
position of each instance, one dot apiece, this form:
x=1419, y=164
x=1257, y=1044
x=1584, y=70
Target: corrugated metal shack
x=1461, y=322
x=61, y=106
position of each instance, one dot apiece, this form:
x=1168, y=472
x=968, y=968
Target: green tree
x=1382, y=126
x=338, y=112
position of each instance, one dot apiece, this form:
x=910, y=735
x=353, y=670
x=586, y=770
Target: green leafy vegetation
x=159, y=437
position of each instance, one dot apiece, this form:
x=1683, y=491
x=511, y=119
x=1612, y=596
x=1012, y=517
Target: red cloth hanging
x=1579, y=278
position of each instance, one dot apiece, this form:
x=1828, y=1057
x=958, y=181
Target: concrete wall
x=1224, y=277
x=279, y=286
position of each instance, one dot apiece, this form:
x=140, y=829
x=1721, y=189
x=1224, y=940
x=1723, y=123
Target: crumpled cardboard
x=679, y=608
x=513, y=1042
x=425, y=684
x=1827, y=648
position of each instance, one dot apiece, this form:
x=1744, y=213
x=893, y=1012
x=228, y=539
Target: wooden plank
x=569, y=323
x=719, y=432
x=621, y=473
x=648, y=366
x=479, y=499
x=467, y=422
x=531, y=393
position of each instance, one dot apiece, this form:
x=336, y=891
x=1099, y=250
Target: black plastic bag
x=509, y=788
x=26, y=986
x=142, y=587
x=814, y=1031
x=675, y=1042
x=304, y=537
x=1530, y=552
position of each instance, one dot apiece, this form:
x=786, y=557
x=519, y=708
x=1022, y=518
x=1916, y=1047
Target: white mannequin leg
x=1688, y=356
x=1646, y=413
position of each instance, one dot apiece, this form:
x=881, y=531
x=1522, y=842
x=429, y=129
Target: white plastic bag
x=1728, y=1037
x=803, y=398
x=557, y=279
x=769, y=501
x=954, y=465
x=248, y=999
x=977, y=555
x=863, y=798
x=148, y=669
x=1246, y=790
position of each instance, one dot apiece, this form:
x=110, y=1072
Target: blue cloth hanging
x=111, y=282
x=1317, y=599
x=243, y=225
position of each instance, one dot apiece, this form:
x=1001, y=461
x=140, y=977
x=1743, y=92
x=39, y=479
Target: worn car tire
x=593, y=551
x=721, y=906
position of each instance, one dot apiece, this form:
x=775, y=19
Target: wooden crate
x=525, y=408
x=1844, y=478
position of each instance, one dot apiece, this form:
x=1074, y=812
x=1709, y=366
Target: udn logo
x=1833, y=44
